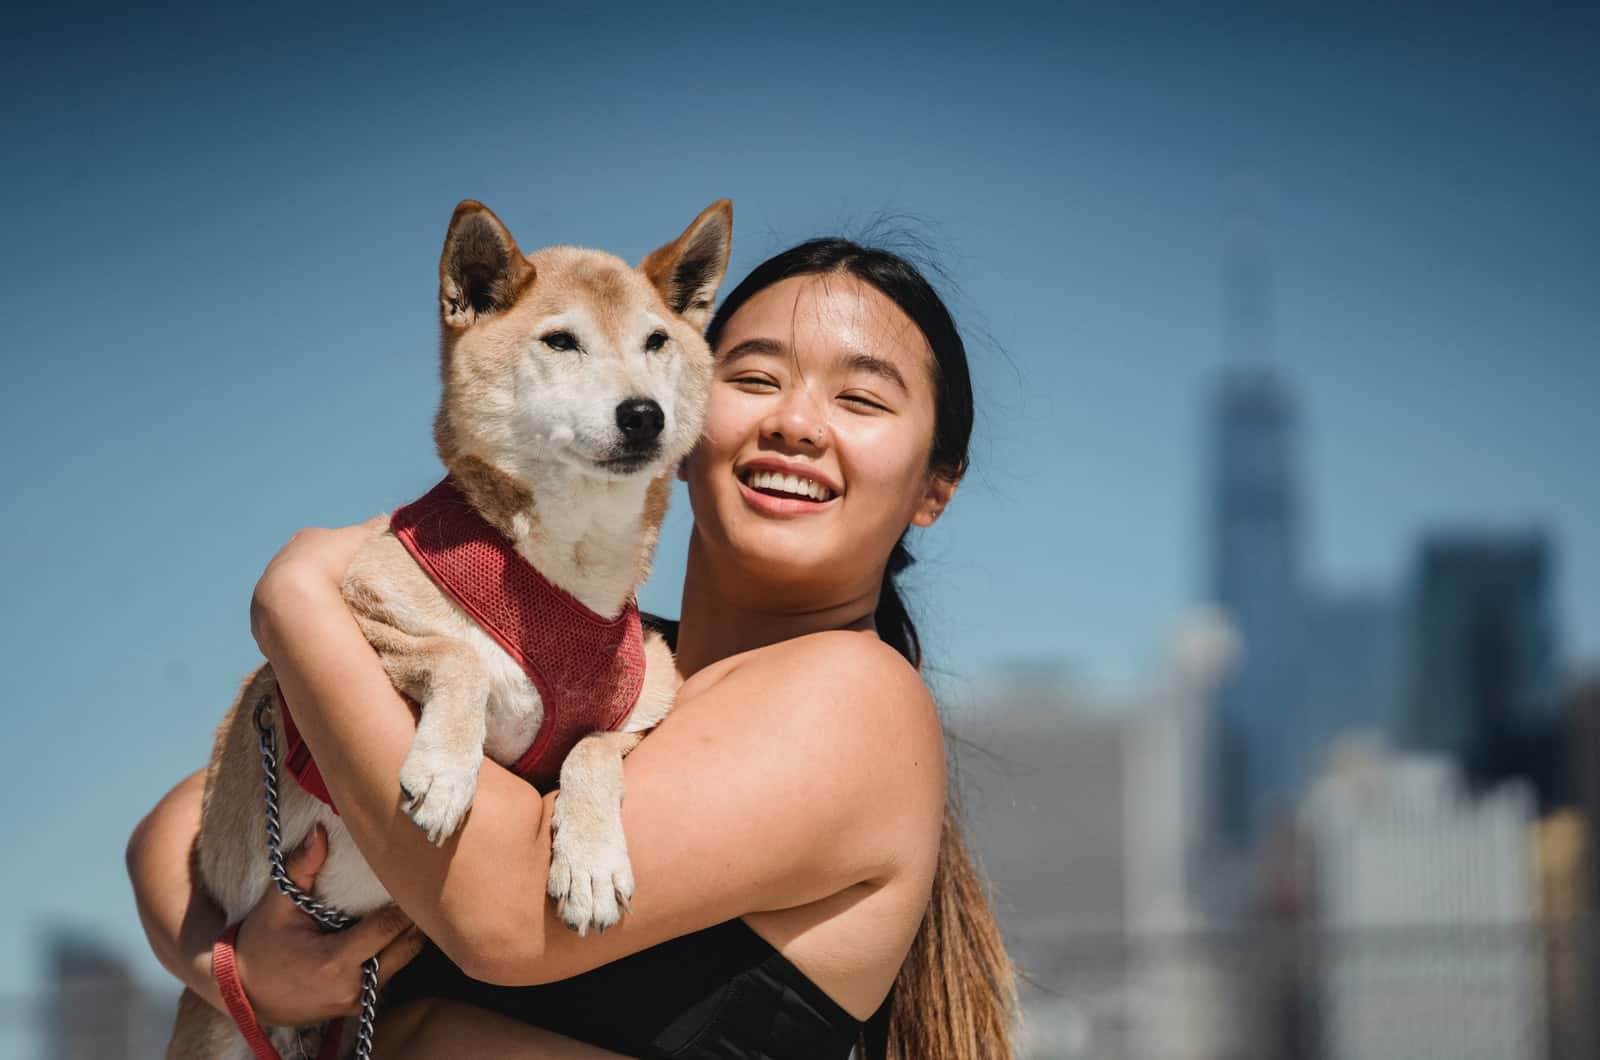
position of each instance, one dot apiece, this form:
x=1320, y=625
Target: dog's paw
x=436, y=790
x=591, y=878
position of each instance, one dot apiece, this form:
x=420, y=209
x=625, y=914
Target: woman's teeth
x=787, y=485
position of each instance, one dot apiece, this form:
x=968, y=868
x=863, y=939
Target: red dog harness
x=588, y=669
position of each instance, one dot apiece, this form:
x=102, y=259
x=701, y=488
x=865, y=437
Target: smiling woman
x=802, y=887
x=885, y=368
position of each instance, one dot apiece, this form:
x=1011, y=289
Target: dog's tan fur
x=516, y=430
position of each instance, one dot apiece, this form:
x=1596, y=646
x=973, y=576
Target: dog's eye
x=560, y=340
x=656, y=340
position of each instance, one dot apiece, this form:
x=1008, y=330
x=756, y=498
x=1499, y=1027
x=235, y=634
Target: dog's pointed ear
x=481, y=271
x=688, y=270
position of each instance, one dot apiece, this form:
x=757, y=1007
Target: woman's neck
x=718, y=620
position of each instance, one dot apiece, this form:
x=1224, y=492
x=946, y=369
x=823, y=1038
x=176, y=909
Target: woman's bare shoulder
x=844, y=694
x=830, y=668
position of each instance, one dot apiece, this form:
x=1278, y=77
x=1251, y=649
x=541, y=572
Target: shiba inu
x=573, y=384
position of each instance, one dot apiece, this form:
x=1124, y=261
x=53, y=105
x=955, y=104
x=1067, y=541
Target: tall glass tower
x=1254, y=562
x=1484, y=676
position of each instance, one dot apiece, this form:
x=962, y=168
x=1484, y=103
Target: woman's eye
x=656, y=340
x=863, y=402
x=560, y=340
x=752, y=380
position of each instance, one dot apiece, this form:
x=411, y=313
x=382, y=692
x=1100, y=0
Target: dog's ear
x=688, y=270
x=481, y=271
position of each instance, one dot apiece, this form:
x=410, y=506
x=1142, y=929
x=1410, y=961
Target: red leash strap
x=225, y=970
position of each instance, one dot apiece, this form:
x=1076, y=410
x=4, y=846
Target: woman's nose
x=798, y=419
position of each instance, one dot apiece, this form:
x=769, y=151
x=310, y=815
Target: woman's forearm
x=180, y=921
x=463, y=894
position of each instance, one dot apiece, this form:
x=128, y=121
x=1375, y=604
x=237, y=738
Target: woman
x=787, y=824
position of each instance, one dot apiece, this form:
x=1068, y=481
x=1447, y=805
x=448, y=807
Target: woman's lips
x=767, y=504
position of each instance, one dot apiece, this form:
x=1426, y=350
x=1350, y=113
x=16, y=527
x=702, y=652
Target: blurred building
x=1562, y=856
x=1088, y=812
x=1583, y=710
x=1254, y=562
x=1424, y=893
x=1255, y=576
x=1352, y=652
x=1573, y=917
x=1483, y=682
x=96, y=1011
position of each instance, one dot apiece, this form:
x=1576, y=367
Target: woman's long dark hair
x=955, y=996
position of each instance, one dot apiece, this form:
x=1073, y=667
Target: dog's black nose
x=640, y=420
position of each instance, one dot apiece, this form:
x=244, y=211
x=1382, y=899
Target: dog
x=573, y=385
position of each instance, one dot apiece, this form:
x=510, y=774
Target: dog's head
x=571, y=358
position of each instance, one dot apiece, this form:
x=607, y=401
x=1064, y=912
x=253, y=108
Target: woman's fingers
x=302, y=865
x=306, y=860
x=399, y=953
x=372, y=933
x=386, y=933
x=296, y=972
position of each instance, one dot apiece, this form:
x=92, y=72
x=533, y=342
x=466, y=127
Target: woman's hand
x=294, y=972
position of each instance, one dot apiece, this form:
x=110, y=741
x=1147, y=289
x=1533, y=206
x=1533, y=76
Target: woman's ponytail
x=956, y=996
x=895, y=627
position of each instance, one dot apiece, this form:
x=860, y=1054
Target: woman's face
x=817, y=439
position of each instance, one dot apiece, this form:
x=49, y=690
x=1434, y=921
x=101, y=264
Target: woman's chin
x=781, y=555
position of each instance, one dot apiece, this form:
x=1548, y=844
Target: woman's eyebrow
x=755, y=348
x=886, y=370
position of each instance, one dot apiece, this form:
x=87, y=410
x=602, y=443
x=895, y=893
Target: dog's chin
x=628, y=465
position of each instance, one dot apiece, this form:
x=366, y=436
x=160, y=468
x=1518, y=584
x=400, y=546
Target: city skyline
x=221, y=305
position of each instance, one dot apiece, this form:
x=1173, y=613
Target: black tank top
x=719, y=994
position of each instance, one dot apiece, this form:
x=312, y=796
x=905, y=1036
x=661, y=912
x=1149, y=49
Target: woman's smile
x=784, y=489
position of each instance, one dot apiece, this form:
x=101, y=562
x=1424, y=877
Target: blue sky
x=219, y=291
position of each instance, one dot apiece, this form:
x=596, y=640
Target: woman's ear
x=935, y=499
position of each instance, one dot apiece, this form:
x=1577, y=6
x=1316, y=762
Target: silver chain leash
x=325, y=915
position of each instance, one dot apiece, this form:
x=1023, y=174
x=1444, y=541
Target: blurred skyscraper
x=97, y=1009
x=1353, y=647
x=1484, y=675
x=1255, y=552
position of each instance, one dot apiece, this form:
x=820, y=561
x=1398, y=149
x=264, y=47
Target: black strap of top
x=875, y=1032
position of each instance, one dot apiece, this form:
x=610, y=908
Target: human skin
x=799, y=781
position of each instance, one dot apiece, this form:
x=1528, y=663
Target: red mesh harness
x=588, y=669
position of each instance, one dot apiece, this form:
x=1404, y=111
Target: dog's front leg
x=440, y=774
x=590, y=877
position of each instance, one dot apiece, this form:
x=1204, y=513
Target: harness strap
x=297, y=757
x=225, y=970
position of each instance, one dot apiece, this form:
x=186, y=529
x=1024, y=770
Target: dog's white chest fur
x=515, y=710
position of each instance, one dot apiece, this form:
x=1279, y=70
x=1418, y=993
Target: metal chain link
x=325, y=915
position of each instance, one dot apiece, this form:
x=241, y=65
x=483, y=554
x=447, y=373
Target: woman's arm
x=775, y=787
x=294, y=972
x=180, y=922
